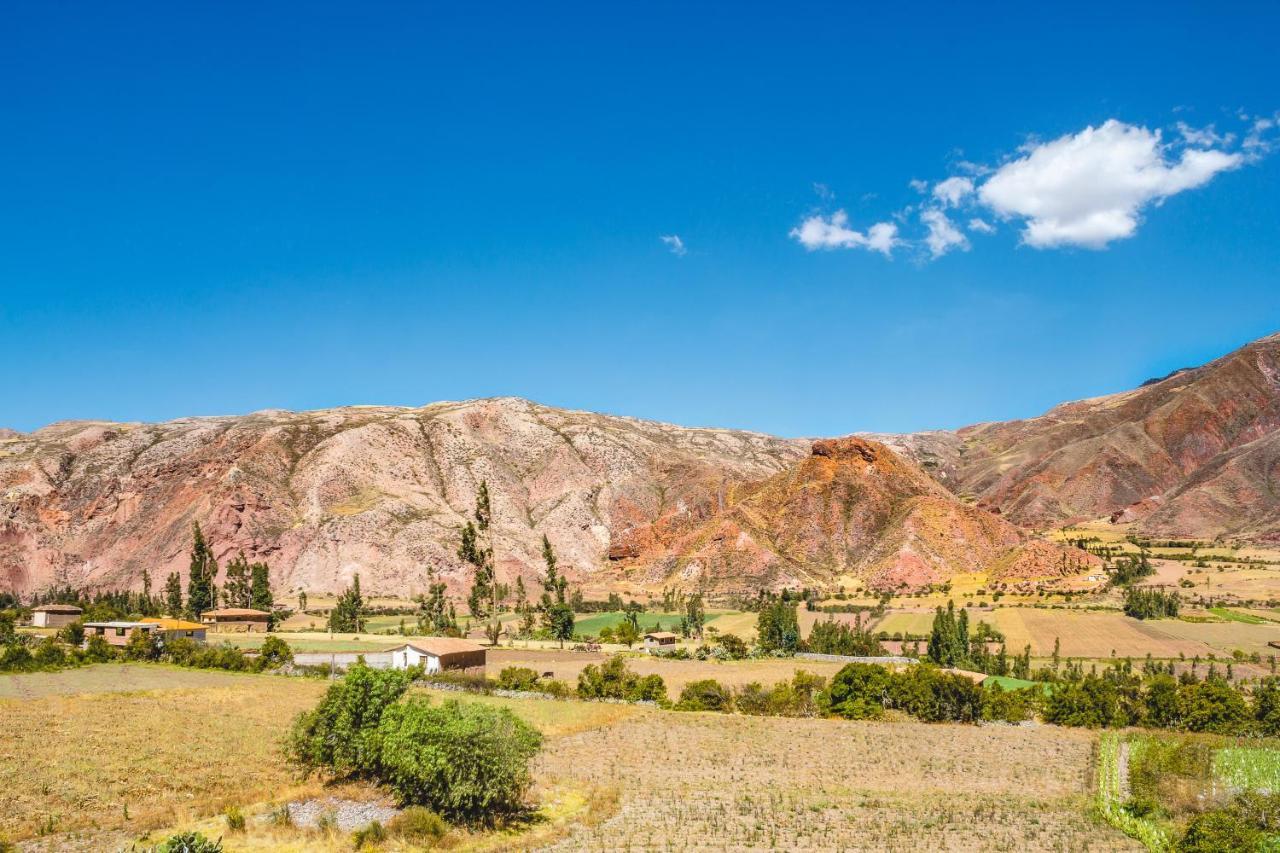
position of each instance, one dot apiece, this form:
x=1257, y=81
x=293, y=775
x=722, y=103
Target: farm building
x=236, y=619
x=658, y=639
x=178, y=628
x=439, y=653
x=116, y=633
x=55, y=615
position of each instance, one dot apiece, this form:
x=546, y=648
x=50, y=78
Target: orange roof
x=174, y=624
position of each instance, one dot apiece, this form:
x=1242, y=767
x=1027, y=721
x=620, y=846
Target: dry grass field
x=610, y=777
x=746, y=783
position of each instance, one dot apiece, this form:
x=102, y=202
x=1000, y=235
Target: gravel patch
x=348, y=815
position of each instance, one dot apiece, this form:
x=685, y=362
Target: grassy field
x=96, y=769
x=1248, y=768
x=591, y=623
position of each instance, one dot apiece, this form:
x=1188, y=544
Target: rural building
x=116, y=633
x=439, y=653
x=55, y=615
x=173, y=629
x=657, y=639
x=236, y=619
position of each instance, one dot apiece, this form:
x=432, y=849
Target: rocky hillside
x=382, y=491
x=1191, y=454
x=850, y=513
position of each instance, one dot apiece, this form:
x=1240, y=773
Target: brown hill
x=376, y=490
x=1192, y=448
x=853, y=510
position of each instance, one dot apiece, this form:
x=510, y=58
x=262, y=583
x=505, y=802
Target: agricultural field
x=566, y=665
x=592, y=623
x=730, y=783
x=1151, y=785
x=311, y=641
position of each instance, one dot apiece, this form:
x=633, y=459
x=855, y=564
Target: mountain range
x=632, y=504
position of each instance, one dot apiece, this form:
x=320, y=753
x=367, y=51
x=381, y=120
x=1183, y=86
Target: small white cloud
x=833, y=232
x=981, y=226
x=952, y=191
x=918, y=185
x=675, y=244
x=1089, y=188
x=823, y=191
x=943, y=235
x=1204, y=137
x=1256, y=142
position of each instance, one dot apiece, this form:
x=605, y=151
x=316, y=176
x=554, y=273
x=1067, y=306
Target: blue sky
x=218, y=208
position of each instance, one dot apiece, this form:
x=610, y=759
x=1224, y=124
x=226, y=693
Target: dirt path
x=1122, y=769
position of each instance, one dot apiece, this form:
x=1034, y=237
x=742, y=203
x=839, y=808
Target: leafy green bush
x=612, y=680
x=705, y=695
x=273, y=653
x=369, y=836
x=468, y=761
x=235, y=819
x=98, y=650
x=341, y=733
x=1009, y=706
x=518, y=678
x=1217, y=831
x=859, y=691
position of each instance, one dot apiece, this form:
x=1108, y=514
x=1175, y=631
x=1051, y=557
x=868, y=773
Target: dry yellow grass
x=742, y=783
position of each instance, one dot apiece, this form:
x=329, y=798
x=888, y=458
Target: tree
x=476, y=549
x=466, y=760
x=341, y=733
x=557, y=616
x=202, y=594
x=777, y=628
x=626, y=633
x=435, y=613
x=260, y=597
x=235, y=587
x=695, y=615
x=302, y=601
x=859, y=691
x=347, y=615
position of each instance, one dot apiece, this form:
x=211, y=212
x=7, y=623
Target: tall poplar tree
x=476, y=549
x=202, y=593
x=235, y=588
x=260, y=597
x=173, y=595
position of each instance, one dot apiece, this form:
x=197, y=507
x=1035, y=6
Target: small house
x=116, y=633
x=242, y=619
x=173, y=629
x=55, y=615
x=435, y=654
x=658, y=639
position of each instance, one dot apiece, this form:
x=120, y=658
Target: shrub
x=859, y=691
x=420, y=824
x=1217, y=831
x=934, y=696
x=1008, y=706
x=72, y=634
x=49, y=654
x=274, y=653
x=750, y=699
x=341, y=733
x=235, y=819
x=98, y=650
x=470, y=762
x=189, y=842
x=612, y=680
x=370, y=835
x=142, y=646
x=706, y=695
x=518, y=678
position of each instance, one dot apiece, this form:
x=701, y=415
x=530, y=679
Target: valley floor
x=95, y=769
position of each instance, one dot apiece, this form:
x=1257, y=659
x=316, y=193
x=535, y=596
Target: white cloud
x=833, y=232
x=675, y=244
x=952, y=191
x=943, y=235
x=1089, y=188
x=982, y=226
x=823, y=191
x=1204, y=137
x=918, y=185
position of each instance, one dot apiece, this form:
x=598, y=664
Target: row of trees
x=246, y=584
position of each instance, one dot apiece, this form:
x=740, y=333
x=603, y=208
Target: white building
x=434, y=654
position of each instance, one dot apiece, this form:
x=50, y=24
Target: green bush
x=274, y=653
x=470, y=762
x=518, y=678
x=705, y=695
x=189, y=842
x=859, y=691
x=98, y=650
x=235, y=819
x=341, y=733
x=1217, y=831
x=419, y=824
x=612, y=680
x=1008, y=706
